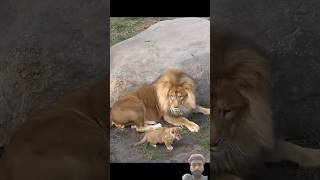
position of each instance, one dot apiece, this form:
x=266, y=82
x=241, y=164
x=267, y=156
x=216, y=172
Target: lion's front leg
x=146, y=127
x=182, y=121
x=203, y=110
x=287, y=151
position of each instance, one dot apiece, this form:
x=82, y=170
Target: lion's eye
x=227, y=110
x=227, y=113
x=180, y=97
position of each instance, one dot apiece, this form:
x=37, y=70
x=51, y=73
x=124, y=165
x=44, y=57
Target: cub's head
x=175, y=133
x=175, y=91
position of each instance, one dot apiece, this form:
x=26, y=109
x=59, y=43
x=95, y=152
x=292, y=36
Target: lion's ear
x=167, y=84
x=188, y=86
x=165, y=87
x=177, y=129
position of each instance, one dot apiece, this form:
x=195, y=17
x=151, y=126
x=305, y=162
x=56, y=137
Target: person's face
x=196, y=168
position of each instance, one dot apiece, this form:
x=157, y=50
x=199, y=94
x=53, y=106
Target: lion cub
x=161, y=135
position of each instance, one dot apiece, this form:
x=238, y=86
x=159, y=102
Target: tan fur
x=66, y=141
x=242, y=126
x=161, y=135
x=170, y=97
x=286, y=151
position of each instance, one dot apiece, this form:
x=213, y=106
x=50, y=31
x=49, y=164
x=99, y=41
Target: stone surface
x=182, y=43
x=47, y=48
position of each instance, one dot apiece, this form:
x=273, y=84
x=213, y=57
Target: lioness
x=161, y=135
x=171, y=97
x=67, y=141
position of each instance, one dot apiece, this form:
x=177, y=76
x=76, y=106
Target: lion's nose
x=175, y=105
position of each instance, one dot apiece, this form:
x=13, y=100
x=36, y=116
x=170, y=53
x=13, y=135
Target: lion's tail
x=143, y=140
x=305, y=157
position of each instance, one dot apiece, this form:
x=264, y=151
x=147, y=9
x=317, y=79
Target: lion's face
x=228, y=120
x=177, y=101
x=242, y=128
x=236, y=134
x=229, y=108
x=175, y=91
x=176, y=133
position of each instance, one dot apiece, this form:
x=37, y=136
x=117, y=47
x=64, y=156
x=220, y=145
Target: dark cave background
x=48, y=48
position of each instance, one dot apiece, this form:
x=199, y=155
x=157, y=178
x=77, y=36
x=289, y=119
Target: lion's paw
x=193, y=127
x=206, y=111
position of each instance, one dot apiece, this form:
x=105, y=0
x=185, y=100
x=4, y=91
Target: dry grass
x=122, y=28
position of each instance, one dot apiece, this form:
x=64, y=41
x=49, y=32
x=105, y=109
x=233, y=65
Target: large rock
x=182, y=43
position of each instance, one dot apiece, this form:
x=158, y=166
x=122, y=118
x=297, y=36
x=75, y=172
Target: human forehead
x=195, y=162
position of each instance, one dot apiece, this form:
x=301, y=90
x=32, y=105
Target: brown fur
x=66, y=141
x=161, y=135
x=170, y=97
x=243, y=133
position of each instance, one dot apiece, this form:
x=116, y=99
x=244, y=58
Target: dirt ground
x=122, y=150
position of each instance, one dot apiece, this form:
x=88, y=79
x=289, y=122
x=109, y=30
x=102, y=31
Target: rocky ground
x=122, y=150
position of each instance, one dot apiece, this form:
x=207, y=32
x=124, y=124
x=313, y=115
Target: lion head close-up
x=243, y=136
x=175, y=91
x=242, y=128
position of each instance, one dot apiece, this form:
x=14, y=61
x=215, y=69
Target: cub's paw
x=169, y=148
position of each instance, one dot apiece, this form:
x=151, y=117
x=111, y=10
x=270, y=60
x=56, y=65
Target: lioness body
x=66, y=141
x=171, y=97
x=161, y=135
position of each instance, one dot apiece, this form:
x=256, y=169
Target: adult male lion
x=242, y=127
x=171, y=96
x=67, y=141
